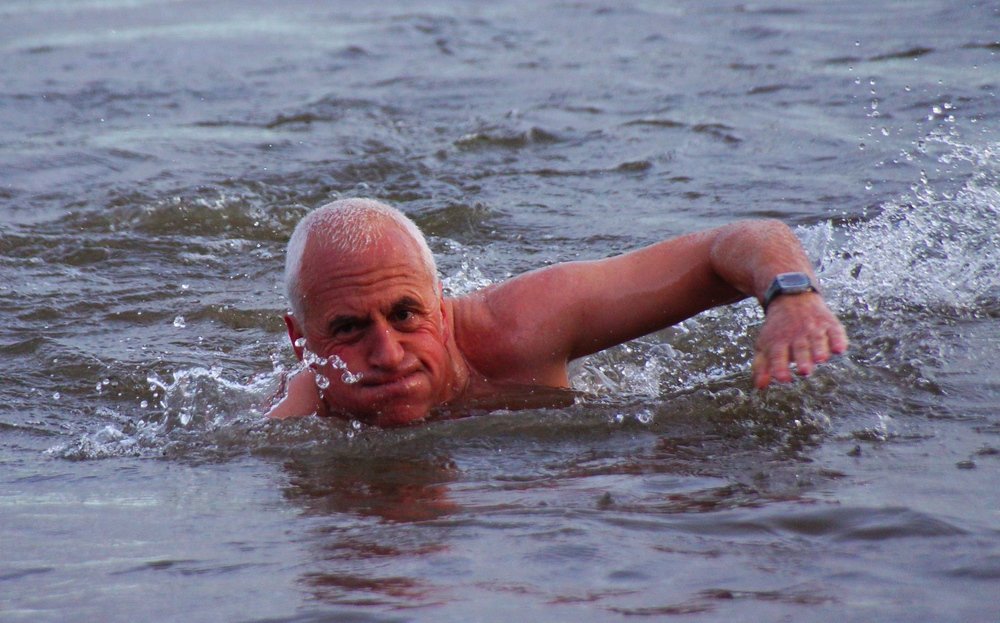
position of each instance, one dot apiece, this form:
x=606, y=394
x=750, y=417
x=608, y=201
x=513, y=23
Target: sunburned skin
x=380, y=314
x=378, y=311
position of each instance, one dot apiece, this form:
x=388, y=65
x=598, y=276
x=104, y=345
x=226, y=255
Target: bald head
x=346, y=227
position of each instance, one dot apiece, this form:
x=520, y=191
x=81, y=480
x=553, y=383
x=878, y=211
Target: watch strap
x=778, y=287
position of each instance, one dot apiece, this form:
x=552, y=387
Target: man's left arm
x=574, y=309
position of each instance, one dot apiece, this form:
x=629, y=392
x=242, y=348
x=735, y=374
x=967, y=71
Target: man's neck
x=462, y=376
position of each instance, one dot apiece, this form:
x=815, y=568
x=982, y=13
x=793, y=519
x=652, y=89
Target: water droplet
x=179, y=322
x=313, y=359
x=300, y=343
x=349, y=378
x=56, y=396
x=144, y=404
x=322, y=382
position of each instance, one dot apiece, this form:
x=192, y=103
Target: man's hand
x=799, y=329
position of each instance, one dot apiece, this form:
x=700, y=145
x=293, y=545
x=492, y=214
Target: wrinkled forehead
x=392, y=251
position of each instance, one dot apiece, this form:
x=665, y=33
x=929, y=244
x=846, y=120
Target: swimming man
x=369, y=314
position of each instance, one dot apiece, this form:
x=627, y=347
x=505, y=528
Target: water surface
x=155, y=156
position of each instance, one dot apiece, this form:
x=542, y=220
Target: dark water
x=154, y=156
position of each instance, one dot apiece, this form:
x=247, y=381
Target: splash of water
x=192, y=402
x=468, y=276
x=935, y=249
x=316, y=363
x=933, y=253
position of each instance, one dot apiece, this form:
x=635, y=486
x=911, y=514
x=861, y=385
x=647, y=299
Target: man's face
x=379, y=312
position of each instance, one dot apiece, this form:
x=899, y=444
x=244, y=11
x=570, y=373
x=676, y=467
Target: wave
x=927, y=258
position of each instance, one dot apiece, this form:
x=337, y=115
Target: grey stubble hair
x=346, y=226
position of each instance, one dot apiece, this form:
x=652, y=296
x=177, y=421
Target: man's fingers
x=821, y=348
x=838, y=339
x=802, y=353
x=788, y=344
x=761, y=373
x=778, y=365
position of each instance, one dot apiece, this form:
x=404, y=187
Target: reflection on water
x=389, y=487
x=353, y=560
x=412, y=518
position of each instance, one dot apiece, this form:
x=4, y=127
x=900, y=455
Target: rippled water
x=155, y=155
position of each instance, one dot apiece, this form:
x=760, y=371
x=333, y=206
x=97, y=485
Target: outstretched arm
x=550, y=316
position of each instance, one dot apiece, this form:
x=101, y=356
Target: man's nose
x=385, y=351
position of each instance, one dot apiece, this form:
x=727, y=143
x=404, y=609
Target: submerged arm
x=300, y=399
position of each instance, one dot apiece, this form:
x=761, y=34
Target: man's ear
x=294, y=333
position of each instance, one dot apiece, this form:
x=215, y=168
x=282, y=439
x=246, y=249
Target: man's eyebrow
x=345, y=318
x=408, y=301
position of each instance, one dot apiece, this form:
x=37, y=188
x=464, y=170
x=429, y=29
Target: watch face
x=793, y=281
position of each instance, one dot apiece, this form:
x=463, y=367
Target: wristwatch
x=788, y=283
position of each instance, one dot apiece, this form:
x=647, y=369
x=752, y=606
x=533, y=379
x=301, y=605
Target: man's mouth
x=391, y=383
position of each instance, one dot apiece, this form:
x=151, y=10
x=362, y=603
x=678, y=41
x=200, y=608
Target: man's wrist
x=788, y=284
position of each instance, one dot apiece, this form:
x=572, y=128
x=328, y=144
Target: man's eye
x=345, y=329
x=402, y=315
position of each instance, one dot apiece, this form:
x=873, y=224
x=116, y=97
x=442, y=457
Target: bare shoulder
x=502, y=335
x=478, y=335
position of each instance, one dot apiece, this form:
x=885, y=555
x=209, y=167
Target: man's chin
x=396, y=404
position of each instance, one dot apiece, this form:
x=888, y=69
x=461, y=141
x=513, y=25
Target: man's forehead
x=380, y=269
x=340, y=299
